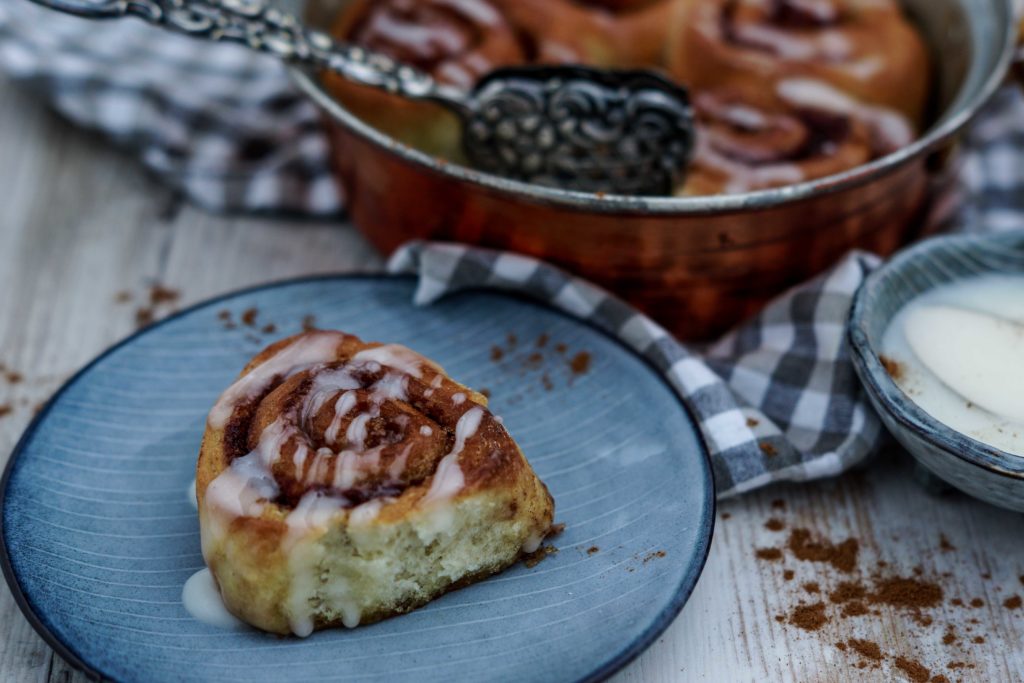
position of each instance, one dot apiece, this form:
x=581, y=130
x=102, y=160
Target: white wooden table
x=80, y=222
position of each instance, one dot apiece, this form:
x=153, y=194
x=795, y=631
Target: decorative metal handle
x=256, y=24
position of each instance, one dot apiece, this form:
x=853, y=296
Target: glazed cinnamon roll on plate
x=342, y=482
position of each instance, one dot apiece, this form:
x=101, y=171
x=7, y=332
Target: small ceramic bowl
x=980, y=470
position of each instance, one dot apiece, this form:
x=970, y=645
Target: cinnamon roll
x=456, y=41
x=809, y=130
x=865, y=48
x=342, y=482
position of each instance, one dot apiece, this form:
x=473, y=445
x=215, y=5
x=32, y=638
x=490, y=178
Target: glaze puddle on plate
x=958, y=352
x=101, y=535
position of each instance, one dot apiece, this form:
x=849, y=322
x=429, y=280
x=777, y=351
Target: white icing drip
x=448, y=479
x=435, y=384
x=532, y=543
x=312, y=348
x=310, y=518
x=351, y=467
x=345, y=403
x=356, y=433
x=459, y=398
x=890, y=130
x=424, y=431
x=394, y=356
x=398, y=464
x=744, y=178
x=366, y=513
x=299, y=457
x=391, y=386
x=203, y=601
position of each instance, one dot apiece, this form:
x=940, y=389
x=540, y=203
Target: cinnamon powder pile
x=881, y=593
x=540, y=356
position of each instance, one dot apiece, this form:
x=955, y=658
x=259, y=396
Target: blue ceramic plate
x=99, y=533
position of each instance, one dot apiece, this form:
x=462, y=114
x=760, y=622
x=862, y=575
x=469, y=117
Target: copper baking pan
x=696, y=264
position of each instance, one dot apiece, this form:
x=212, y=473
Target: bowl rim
x=953, y=120
x=889, y=397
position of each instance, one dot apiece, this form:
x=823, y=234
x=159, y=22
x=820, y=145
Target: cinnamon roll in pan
x=343, y=482
x=866, y=48
x=810, y=130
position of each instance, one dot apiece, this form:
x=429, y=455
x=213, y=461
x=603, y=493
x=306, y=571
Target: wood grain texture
x=80, y=223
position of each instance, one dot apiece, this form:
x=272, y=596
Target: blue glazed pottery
x=99, y=533
x=980, y=470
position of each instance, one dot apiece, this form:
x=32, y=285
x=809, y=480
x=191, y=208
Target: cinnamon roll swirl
x=866, y=48
x=342, y=482
x=810, y=130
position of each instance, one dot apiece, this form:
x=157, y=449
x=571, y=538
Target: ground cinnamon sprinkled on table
x=788, y=575
x=939, y=678
x=496, y=354
x=769, y=554
x=956, y=602
x=14, y=377
x=978, y=640
x=957, y=666
x=906, y=593
x=249, y=316
x=845, y=591
x=809, y=617
x=159, y=294
x=542, y=340
x=1014, y=602
x=224, y=315
x=779, y=504
x=1021, y=577
x=986, y=576
x=309, y=323
x=811, y=587
x=774, y=524
x=561, y=348
x=843, y=556
x=269, y=328
x=123, y=297
x=949, y=637
x=143, y=317
x=841, y=645
x=855, y=609
x=534, y=360
x=726, y=515
x=580, y=363
x=593, y=549
x=511, y=339
x=944, y=544
x=866, y=649
x=751, y=422
x=894, y=368
x=6, y=409
x=768, y=449
x=914, y=670
x=977, y=602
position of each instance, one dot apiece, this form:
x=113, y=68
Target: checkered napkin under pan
x=777, y=399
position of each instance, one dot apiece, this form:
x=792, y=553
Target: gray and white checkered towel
x=777, y=399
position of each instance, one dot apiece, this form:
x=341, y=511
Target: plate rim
x=627, y=654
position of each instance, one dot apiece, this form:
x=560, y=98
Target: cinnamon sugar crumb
x=769, y=554
x=788, y=575
x=866, y=648
x=843, y=556
x=944, y=544
x=542, y=340
x=774, y=524
x=14, y=377
x=768, y=449
x=531, y=560
x=1014, y=602
x=779, y=504
x=269, y=328
x=654, y=555
x=580, y=363
x=6, y=409
x=892, y=367
x=496, y=354
x=809, y=617
x=249, y=317
x=914, y=670
x=593, y=550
